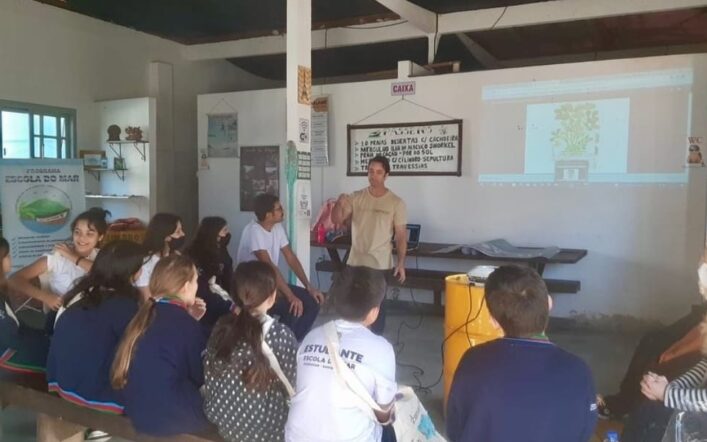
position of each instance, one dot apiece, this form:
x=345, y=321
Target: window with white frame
x=36, y=131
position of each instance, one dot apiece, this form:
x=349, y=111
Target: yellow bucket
x=467, y=323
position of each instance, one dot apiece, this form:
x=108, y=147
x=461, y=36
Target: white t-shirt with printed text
x=324, y=408
x=255, y=237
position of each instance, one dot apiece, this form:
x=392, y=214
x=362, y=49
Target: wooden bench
x=61, y=421
x=434, y=280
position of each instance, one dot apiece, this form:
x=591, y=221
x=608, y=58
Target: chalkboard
x=425, y=148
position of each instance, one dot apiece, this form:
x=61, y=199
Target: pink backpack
x=324, y=218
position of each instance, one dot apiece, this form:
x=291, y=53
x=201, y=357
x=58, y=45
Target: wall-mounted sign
x=39, y=200
x=319, y=143
x=427, y=148
x=402, y=88
x=304, y=165
x=303, y=130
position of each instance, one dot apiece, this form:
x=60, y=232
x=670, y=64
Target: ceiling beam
x=652, y=51
x=452, y=23
x=483, y=56
x=555, y=11
x=421, y=18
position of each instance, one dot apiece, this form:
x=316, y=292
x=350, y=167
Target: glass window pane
x=49, y=125
x=15, y=134
x=36, y=126
x=62, y=149
x=50, y=150
x=37, y=147
x=62, y=125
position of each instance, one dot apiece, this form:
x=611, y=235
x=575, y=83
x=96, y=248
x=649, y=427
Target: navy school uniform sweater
x=521, y=390
x=82, y=350
x=22, y=349
x=162, y=394
x=216, y=306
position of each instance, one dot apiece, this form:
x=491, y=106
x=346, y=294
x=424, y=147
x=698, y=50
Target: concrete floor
x=417, y=343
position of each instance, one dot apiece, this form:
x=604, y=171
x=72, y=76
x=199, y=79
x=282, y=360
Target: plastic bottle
x=321, y=234
x=611, y=436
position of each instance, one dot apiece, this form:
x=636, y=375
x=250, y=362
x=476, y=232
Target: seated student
x=520, y=387
x=164, y=237
x=66, y=263
x=648, y=422
x=158, y=363
x=86, y=335
x=208, y=250
x=324, y=408
x=263, y=240
x=22, y=349
x=685, y=333
x=243, y=395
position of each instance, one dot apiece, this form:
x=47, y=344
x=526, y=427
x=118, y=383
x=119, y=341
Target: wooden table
x=434, y=279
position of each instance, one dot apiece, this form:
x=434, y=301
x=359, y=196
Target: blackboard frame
x=353, y=127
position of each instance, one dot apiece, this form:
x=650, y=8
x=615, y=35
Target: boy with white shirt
x=324, y=408
x=264, y=239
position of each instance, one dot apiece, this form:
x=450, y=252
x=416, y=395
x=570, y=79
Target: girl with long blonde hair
x=158, y=363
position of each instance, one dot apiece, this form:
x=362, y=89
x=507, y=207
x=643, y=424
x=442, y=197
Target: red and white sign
x=402, y=88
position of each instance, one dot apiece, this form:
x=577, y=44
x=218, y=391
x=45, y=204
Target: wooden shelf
x=138, y=145
x=96, y=172
x=113, y=197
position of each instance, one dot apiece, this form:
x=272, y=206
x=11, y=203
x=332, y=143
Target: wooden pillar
x=299, y=96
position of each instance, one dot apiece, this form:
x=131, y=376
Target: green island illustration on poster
x=43, y=209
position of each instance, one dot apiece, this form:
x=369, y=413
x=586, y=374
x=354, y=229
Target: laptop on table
x=413, y=236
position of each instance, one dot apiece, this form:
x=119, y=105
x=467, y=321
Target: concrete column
x=299, y=95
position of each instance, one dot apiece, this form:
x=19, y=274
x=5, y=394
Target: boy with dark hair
x=263, y=239
x=324, y=408
x=520, y=387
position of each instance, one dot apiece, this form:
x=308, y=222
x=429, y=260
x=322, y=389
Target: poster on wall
x=425, y=148
x=38, y=201
x=222, y=135
x=260, y=173
x=319, y=144
x=695, y=147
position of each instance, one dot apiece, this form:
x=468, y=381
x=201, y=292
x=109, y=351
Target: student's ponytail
x=124, y=355
x=255, y=283
x=170, y=275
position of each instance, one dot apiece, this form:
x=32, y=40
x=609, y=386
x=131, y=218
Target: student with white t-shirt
x=324, y=408
x=263, y=240
x=164, y=236
x=66, y=263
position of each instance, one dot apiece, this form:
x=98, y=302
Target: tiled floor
x=417, y=341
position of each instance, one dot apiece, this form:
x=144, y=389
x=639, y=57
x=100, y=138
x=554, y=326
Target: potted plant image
x=575, y=144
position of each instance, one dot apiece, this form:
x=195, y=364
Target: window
x=35, y=131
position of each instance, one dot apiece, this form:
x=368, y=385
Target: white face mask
x=702, y=279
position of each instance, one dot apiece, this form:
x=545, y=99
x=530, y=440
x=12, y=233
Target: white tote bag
x=411, y=424
x=274, y=364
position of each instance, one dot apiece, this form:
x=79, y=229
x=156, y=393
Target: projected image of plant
x=578, y=135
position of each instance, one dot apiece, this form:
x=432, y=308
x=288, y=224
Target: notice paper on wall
x=425, y=148
x=319, y=143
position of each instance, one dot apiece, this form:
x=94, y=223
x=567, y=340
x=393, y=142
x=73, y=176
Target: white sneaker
x=96, y=436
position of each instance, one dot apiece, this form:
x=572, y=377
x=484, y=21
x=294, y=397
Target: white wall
x=643, y=241
x=59, y=58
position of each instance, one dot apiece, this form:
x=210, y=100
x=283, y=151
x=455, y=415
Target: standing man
x=263, y=239
x=376, y=213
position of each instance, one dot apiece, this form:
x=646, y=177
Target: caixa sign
x=402, y=88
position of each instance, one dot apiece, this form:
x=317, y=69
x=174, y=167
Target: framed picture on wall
x=222, y=135
x=260, y=173
x=424, y=148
